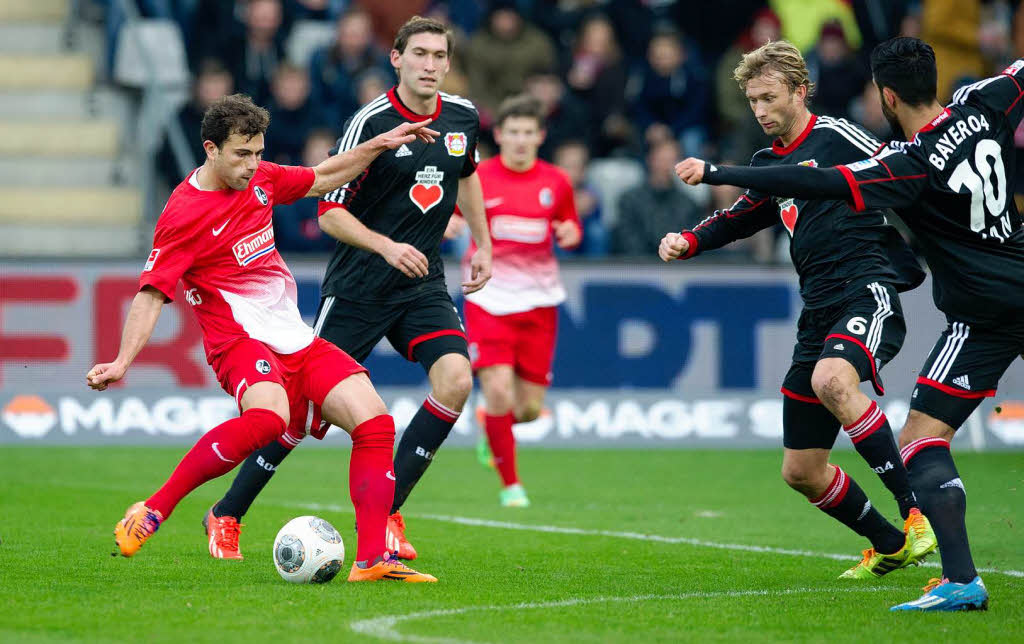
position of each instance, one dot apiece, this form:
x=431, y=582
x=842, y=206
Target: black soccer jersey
x=951, y=184
x=834, y=250
x=407, y=194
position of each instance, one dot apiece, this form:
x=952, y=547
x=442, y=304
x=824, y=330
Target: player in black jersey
x=951, y=183
x=386, y=278
x=851, y=268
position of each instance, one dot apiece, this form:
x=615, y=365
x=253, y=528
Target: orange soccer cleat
x=138, y=525
x=388, y=567
x=395, y=538
x=222, y=533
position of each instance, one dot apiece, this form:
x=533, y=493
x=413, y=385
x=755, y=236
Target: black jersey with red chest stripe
x=951, y=183
x=834, y=250
x=407, y=194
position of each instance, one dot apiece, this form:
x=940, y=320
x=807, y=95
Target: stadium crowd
x=628, y=87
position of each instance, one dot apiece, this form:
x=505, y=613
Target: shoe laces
x=144, y=528
x=392, y=559
x=934, y=583
x=867, y=554
x=227, y=536
x=915, y=524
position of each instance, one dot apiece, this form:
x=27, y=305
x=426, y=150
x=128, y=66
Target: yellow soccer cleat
x=138, y=525
x=875, y=564
x=387, y=567
x=920, y=536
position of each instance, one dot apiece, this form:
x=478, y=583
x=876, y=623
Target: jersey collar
x=409, y=114
x=934, y=123
x=780, y=149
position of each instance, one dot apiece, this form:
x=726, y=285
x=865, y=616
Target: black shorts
x=963, y=368
x=866, y=330
x=422, y=329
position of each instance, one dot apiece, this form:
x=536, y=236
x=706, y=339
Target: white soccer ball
x=308, y=550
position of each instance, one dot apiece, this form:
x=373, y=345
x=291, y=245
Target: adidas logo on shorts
x=962, y=381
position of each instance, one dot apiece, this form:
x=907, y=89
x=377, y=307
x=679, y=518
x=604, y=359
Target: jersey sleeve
x=752, y=212
x=291, y=182
x=894, y=178
x=1002, y=94
x=357, y=130
x=472, y=154
x=172, y=255
x=566, y=210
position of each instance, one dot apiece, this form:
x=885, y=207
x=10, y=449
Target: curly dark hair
x=234, y=114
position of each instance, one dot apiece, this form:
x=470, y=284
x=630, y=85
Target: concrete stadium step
x=33, y=10
x=68, y=173
x=59, y=139
x=108, y=242
x=71, y=104
x=60, y=206
x=46, y=71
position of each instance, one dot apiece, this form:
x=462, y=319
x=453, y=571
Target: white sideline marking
x=384, y=627
x=507, y=525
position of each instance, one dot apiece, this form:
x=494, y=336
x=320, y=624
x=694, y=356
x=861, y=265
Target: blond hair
x=780, y=58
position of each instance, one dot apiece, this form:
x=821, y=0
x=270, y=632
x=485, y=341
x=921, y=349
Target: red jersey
x=521, y=207
x=220, y=244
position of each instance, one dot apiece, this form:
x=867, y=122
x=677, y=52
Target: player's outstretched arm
x=802, y=182
x=138, y=327
x=339, y=169
x=673, y=246
x=471, y=203
x=343, y=226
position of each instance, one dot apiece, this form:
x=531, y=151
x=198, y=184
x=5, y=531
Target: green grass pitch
x=619, y=546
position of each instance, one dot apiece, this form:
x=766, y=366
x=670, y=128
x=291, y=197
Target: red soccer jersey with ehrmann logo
x=220, y=244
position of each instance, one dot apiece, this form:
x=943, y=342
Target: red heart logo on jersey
x=426, y=196
x=789, y=215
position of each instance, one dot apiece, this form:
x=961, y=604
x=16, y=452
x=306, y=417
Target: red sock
x=216, y=454
x=371, y=483
x=503, y=446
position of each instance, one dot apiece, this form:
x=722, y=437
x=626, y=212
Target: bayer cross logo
x=263, y=366
x=262, y=196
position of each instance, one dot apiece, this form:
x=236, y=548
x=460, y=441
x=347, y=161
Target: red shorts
x=307, y=375
x=526, y=341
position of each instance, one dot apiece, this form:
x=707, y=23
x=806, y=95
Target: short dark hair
x=907, y=67
x=522, y=105
x=234, y=114
x=420, y=25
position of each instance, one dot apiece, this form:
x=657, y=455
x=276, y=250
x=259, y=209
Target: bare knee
x=269, y=396
x=803, y=478
x=831, y=385
x=454, y=388
x=920, y=425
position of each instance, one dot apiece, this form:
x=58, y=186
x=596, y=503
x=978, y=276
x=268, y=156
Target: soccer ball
x=308, y=550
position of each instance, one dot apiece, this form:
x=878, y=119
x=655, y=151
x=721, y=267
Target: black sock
x=252, y=477
x=944, y=501
x=847, y=503
x=872, y=437
x=425, y=433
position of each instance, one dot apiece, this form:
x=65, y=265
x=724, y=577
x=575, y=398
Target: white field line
x=384, y=627
x=700, y=543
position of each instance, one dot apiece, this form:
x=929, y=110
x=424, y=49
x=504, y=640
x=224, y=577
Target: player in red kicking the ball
x=215, y=235
x=512, y=323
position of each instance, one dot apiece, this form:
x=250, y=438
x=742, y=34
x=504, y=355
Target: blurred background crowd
x=629, y=86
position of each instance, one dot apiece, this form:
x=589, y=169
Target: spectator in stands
x=836, y=72
x=648, y=210
x=502, y=53
x=369, y=85
x=333, y=69
x=672, y=89
x=566, y=118
x=291, y=113
x=295, y=225
x=315, y=9
x=741, y=136
x=597, y=76
x=867, y=110
x=254, y=56
x=573, y=157
x=213, y=81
